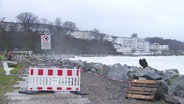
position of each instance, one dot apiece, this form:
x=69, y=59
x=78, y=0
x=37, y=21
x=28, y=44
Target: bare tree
x=69, y=26
x=27, y=20
x=44, y=22
x=58, y=22
x=51, y=27
x=12, y=27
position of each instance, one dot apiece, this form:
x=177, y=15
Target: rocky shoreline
x=171, y=82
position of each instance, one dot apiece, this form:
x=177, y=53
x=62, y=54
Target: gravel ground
x=104, y=91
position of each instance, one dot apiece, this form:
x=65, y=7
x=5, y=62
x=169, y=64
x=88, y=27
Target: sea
x=158, y=62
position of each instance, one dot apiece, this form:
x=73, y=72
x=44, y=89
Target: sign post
x=45, y=42
x=45, y=45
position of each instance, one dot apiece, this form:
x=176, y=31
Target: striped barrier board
x=54, y=79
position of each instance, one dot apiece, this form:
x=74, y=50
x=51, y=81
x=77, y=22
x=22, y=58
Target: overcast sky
x=147, y=18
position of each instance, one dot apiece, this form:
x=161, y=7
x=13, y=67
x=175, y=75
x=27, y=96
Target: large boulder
x=170, y=74
x=101, y=69
x=149, y=73
x=87, y=66
x=79, y=63
x=179, y=90
x=171, y=71
x=118, y=72
x=174, y=82
x=162, y=90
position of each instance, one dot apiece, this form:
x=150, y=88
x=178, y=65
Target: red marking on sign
x=45, y=38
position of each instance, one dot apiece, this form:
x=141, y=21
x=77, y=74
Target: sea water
x=157, y=62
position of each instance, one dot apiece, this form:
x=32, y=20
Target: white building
x=156, y=48
x=132, y=45
x=82, y=35
x=121, y=49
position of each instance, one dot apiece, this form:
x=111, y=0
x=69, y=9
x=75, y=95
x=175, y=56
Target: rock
x=162, y=89
x=79, y=63
x=153, y=76
x=170, y=74
x=118, y=72
x=87, y=66
x=180, y=93
x=175, y=81
x=179, y=90
x=98, y=67
x=172, y=71
x=101, y=69
x=171, y=99
x=106, y=70
x=93, y=70
x=149, y=73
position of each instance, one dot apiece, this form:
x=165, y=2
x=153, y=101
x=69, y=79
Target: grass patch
x=7, y=81
x=16, y=69
x=2, y=70
x=2, y=57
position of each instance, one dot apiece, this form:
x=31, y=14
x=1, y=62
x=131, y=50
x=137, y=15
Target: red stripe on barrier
x=49, y=88
x=77, y=72
x=31, y=88
x=39, y=88
x=77, y=88
x=31, y=72
x=40, y=71
x=59, y=88
x=60, y=72
x=69, y=72
x=50, y=72
x=68, y=88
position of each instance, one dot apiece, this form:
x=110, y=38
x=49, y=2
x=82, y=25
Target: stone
x=172, y=71
x=162, y=89
x=179, y=90
x=149, y=73
x=79, y=63
x=170, y=74
x=87, y=66
x=118, y=72
x=175, y=81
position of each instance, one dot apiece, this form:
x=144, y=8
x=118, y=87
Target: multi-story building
x=82, y=35
x=156, y=48
x=132, y=45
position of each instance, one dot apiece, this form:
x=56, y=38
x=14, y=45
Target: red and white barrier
x=54, y=79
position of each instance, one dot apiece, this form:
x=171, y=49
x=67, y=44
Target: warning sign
x=45, y=42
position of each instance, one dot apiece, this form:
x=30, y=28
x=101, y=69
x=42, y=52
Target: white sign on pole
x=45, y=42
